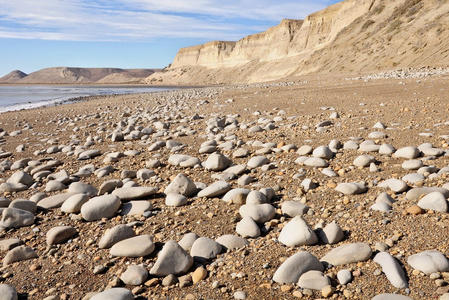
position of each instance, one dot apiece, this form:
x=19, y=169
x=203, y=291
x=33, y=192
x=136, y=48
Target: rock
x=384, y=198
x=169, y=280
x=237, y=196
x=187, y=241
x=297, y=233
x=8, y=292
x=331, y=234
x=260, y=213
x=434, y=201
x=54, y=201
x=344, y=276
x=415, y=210
x=294, y=208
x=216, y=189
x=138, y=246
x=16, y=218
x=257, y=161
x=348, y=253
x=291, y=270
x=413, y=164
x=327, y=291
x=407, y=152
x=136, y=208
x=363, y=161
x=396, y=185
x=323, y=152
x=181, y=185
x=100, y=207
x=416, y=193
x=131, y=193
x=217, y=162
x=199, y=274
x=314, y=280
x=304, y=150
x=430, y=261
x=240, y=295
x=9, y=244
x=182, y=160
x=88, y=154
x=386, y=149
x=116, y=234
x=350, y=188
x=381, y=206
x=204, y=249
x=144, y=174
x=21, y=177
x=231, y=242
x=316, y=162
x=83, y=188
x=24, y=205
x=60, y=234
x=175, y=200
x=114, y=294
x=109, y=186
x=392, y=270
x=18, y=254
x=134, y=275
x=172, y=259
x=74, y=203
x=256, y=197
x=377, y=135
x=247, y=227
x=12, y=187
x=240, y=152
x=54, y=185
x=387, y=296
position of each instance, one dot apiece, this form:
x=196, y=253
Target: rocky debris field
x=319, y=188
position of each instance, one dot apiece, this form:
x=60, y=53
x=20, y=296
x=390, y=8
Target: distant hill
x=67, y=75
x=347, y=37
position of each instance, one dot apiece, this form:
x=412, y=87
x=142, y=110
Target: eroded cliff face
x=350, y=36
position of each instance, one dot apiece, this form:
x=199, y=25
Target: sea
x=18, y=97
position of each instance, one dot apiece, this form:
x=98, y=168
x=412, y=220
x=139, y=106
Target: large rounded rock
x=257, y=161
x=135, y=192
x=83, y=188
x=396, y=185
x=295, y=266
x=116, y=234
x=100, y=207
x=346, y=254
x=175, y=200
x=217, y=162
x=137, y=246
x=297, y=233
x=8, y=292
x=60, y=234
x=247, y=227
x=74, y=203
x=407, y=152
x=237, y=196
x=350, y=188
x=114, y=294
x=134, y=275
x=216, y=189
x=331, y=234
x=21, y=177
x=260, y=213
x=16, y=218
x=392, y=270
x=388, y=296
x=434, y=201
x=18, y=254
x=54, y=201
x=136, y=208
x=172, y=259
x=430, y=261
x=24, y=204
x=314, y=280
x=181, y=185
x=229, y=241
x=204, y=249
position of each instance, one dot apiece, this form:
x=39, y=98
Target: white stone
x=297, y=233
x=291, y=270
x=392, y=270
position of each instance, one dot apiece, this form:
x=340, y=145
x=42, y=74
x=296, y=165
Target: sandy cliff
x=67, y=75
x=350, y=36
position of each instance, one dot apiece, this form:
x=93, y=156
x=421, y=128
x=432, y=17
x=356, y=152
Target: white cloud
x=144, y=20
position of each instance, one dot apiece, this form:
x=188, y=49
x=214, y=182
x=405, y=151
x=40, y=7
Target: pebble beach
x=321, y=187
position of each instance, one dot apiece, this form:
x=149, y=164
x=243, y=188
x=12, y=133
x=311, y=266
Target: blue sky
x=36, y=34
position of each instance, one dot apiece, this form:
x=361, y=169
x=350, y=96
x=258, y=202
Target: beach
x=132, y=141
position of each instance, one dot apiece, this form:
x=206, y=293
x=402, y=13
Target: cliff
x=350, y=36
x=67, y=75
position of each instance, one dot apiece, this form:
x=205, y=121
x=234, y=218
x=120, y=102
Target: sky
x=130, y=34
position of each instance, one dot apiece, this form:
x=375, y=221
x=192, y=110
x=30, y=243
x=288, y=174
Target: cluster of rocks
x=407, y=73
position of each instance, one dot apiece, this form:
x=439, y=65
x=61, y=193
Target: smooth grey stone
x=363, y=160
x=183, y=160
x=268, y=192
x=187, y=241
x=316, y=162
x=144, y=174
x=260, y=213
x=18, y=254
x=54, y=185
x=379, y=125
x=240, y=152
x=181, y=185
x=291, y=270
x=329, y=172
x=204, y=249
x=12, y=187
x=392, y=270
x=24, y=204
x=304, y=150
x=136, y=208
x=350, y=145
x=314, y=280
x=240, y=295
x=217, y=162
x=114, y=294
x=256, y=197
x=229, y=241
x=60, y=234
x=237, y=169
x=415, y=193
x=413, y=178
x=88, y=154
x=16, y=218
x=346, y=254
x=116, y=234
x=83, y=188
x=134, y=275
x=215, y=189
x=207, y=149
x=172, y=259
x=430, y=261
x=413, y=164
x=74, y=203
x=5, y=202
x=435, y=201
x=307, y=184
x=350, y=188
x=331, y=234
x=247, y=227
x=138, y=246
x=381, y=206
x=9, y=244
x=131, y=193
x=257, y=161
x=388, y=296
x=377, y=135
x=396, y=185
x=54, y=201
x=297, y=233
x=323, y=152
x=21, y=177
x=294, y=208
x=100, y=207
x=8, y=292
x=62, y=176
x=175, y=200
x=344, y=276
x=386, y=149
x=409, y=152
x=245, y=180
x=38, y=197
x=237, y=196
x=368, y=146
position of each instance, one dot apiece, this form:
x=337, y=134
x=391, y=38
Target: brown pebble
x=35, y=267
x=199, y=274
x=152, y=282
x=415, y=210
x=286, y=288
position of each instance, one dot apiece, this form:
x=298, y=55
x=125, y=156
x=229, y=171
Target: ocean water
x=25, y=97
